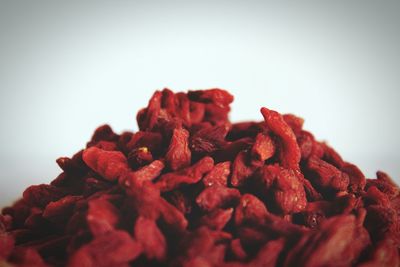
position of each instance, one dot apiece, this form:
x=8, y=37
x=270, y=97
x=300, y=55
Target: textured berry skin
x=192, y=189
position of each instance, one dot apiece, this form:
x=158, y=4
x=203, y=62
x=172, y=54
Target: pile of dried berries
x=192, y=189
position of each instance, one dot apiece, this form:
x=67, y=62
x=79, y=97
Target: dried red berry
x=218, y=175
x=146, y=173
x=327, y=176
x=284, y=187
x=41, y=195
x=6, y=245
x=217, y=219
x=178, y=155
x=109, y=164
x=263, y=148
x=215, y=96
x=290, y=152
x=242, y=169
x=151, y=238
x=250, y=210
x=217, y=196
x=195, y=190
x=208, y=140
x=331, y=245
x=190, y=175
x=102, y=216
x=114, y=248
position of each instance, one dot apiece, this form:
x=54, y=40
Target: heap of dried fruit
x=192, y=189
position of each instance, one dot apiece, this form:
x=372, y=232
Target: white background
x=66, y=68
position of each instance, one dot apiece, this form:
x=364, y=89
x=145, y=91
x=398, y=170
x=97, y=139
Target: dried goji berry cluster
x=192, y=189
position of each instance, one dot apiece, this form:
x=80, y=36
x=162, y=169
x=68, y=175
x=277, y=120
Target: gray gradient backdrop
x=69, y=66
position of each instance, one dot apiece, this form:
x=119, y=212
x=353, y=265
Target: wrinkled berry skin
x=192, y=189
